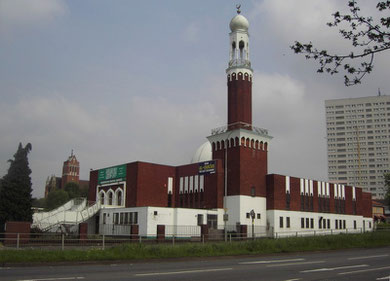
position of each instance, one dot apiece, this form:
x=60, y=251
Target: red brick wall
x=213, y=187
x=276, y=192
x=366, y=205
x=93, y=180
x=246, y=168
x=152, y=189
x=131, y=184
x=239, y=99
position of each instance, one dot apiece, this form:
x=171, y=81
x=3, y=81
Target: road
x=355, y=264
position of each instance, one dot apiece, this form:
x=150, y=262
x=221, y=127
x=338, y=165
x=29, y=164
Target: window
x=311, y=223
x=288, y=222
x=328, y=223
x=354, y=224
x=302, y=223
x=116, y=218
x=307, y=223
x=281, y=222
x=104, y=218
x=200, y=219
x=336, y=224
x=259, y=216
x=248, y=216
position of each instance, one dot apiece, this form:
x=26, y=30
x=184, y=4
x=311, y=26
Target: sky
x=122, y=81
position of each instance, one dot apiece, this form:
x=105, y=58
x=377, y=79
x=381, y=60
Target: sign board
x=206, y=168
x=112, y=174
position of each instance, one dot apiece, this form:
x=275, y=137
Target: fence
x=64, y=241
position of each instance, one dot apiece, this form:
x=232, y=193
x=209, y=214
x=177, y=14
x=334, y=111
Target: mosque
x=227, y=185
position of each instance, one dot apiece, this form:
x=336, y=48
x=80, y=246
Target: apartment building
x=358, y=139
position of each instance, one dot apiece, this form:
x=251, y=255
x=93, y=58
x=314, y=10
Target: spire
x=238, y=6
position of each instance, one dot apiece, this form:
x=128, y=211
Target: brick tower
x=241, y=146
x=70, y=171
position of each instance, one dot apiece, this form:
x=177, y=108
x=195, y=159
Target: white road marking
x=53, y=279
x=368, y=257
x=334, y=268
x=384, y=278
x=294, y=263
x=270, y=261
x=363, y=270
x=293, y=279
x=184, y=271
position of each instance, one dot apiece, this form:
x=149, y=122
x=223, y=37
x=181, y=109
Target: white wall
x=239, y=205
x=273, y=218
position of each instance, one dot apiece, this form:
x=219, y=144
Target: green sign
x=112, y=174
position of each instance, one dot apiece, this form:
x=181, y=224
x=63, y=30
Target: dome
x=203, y=153
x=239, y=22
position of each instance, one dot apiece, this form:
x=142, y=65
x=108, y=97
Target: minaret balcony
x=240, y=63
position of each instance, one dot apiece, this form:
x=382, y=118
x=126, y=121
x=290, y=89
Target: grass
x=134, y=251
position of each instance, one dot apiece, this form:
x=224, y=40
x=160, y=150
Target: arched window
x=101, y=197
x=119, y=197
x=110, y=197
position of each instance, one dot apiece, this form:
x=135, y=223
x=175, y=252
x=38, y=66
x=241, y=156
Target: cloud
x=191, y=32
x=281, y=104
x=24, y=13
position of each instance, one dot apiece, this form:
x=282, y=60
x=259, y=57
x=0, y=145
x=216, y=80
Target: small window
x=288, y=222
x=248, y=215
x=302, y=223
x=259, y=216
x=155, y=213
x=307, y=223
x=354, y=225
x=344, y=224
x=336, y=225
x=281, y=222
x=320, y=223
x=311, y=223
x=253, y=191
x=200, y=219
x=328, y=223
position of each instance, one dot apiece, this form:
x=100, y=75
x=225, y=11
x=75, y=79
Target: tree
x=367, y=37
x=387, y=186
x=73, y=190
x=15, y=190
x=56, y=198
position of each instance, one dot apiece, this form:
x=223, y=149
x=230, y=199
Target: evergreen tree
x=15, y=190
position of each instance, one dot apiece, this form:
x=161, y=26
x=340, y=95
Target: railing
x=66, y=241
x=239, y=62
x=224, y=129
x=72, y=216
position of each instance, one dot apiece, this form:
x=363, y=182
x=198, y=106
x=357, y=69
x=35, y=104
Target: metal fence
x=183, y=234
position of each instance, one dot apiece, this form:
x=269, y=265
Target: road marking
x=334, y=268
x=53, y=279
x=384, y=278
x=368, y=257
x=184, y=271
x=364, y=270
x=270, y=261
x=293, y=279
x=294, y=263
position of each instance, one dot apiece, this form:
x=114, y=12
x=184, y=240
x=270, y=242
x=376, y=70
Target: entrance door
x=212, y=221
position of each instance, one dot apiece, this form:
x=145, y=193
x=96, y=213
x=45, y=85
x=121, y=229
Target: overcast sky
x=121, y=81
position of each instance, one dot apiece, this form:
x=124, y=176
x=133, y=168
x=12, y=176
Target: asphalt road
x=356, y=264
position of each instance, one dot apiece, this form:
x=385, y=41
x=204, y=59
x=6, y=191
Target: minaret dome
x=239, y=23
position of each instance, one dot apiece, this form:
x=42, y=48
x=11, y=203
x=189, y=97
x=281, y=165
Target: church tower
x=70, y=171
x=242, y=147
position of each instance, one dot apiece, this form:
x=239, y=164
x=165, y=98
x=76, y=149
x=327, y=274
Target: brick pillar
x=83, y=231
x=160, y=232
x=134, y=231
x=204, y=231
x=244, y=230
x=12, y=228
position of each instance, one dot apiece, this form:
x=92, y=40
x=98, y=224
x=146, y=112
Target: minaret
x=239, y=75
x=242, y=147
